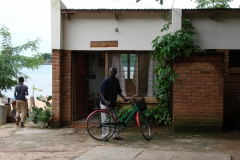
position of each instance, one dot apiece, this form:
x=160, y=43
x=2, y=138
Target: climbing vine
x=166, y=50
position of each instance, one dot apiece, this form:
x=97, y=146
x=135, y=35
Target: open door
x=79, y=85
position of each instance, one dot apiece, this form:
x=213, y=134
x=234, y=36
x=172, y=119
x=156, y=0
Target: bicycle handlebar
x=135, y=95
x=140, y=95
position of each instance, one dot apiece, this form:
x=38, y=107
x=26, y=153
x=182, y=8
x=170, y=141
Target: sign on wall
x=103, y=44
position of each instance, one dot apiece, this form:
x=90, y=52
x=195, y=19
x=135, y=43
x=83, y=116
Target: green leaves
x=41, y=116
x=11, y=61
x=166, y=49
x=213, y=3
x=158, y=115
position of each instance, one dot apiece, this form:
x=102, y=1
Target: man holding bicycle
x=109, y=90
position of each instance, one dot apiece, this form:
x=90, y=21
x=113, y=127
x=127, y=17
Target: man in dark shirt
x=109, y=90
x=20, y=92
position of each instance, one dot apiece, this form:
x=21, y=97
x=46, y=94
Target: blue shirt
x=110, y=88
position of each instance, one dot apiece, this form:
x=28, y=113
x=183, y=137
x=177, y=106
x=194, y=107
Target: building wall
x=135, y=31
x=198, y=93
x=213, y=33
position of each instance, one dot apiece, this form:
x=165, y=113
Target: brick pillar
x=66, y=92
x=198, y=93
x=61, y=86
x=56, y=86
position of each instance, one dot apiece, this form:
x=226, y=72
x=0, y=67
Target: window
x=234, y=58
x=128, y=61
x=135, y=72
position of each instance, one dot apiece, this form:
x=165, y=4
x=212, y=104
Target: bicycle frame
x=129, y=114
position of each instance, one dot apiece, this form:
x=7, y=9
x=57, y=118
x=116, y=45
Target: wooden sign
x=103, y=44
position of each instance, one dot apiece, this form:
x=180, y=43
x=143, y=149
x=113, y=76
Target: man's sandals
x=118, y=138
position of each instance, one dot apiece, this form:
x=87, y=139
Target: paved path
x=122, y=153
x=31, y=143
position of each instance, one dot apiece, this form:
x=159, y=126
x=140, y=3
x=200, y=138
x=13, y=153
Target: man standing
x=109, y=90
x=20, y=92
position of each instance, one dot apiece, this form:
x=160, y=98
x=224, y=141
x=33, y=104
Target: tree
x=11, y=61
x=206, y=3
x=47, y=56
x=212, y=3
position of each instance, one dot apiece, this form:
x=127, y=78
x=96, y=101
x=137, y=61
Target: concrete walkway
x=64, y=143
x=121, y=153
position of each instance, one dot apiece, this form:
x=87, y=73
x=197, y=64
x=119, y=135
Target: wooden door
x=80, y=85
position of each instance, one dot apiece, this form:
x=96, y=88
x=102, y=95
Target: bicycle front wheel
x=98, y=126
x=144, y=126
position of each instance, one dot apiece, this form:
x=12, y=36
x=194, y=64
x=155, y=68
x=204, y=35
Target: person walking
x=109, y=90
x=20, y=93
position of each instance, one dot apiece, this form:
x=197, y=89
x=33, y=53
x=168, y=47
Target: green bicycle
x=96, y=124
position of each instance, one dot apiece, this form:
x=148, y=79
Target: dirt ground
x=70, y=142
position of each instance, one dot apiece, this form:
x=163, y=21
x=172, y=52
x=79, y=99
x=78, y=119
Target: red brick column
x=61, y=86
x=66, y=91
x=56, y=86
x=198, y=93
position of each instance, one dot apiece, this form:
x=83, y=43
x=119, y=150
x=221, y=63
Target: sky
x=31, y=19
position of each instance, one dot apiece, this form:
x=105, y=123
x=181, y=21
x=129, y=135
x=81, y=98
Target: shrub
x=41, y=116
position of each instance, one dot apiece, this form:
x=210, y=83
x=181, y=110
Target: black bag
x=141, y=104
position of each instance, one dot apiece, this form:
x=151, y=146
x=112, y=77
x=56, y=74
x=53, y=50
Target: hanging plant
x=166, y=49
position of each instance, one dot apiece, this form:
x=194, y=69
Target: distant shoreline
x=47, y=62
x=41, y=78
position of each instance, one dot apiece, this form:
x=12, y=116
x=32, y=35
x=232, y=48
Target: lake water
x=41, y=78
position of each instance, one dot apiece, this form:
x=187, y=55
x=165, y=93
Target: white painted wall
x=221, y=32
x=135, y=31
x=56, y=30
x=177, y=19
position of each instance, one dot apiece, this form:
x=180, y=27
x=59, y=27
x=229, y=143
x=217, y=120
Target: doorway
x=79, y=85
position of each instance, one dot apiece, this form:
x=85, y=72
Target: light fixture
x=116, y=30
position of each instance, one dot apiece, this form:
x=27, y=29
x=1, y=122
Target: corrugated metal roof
x=117, y=9
x=145, y=9
x=149, y=10
x=113, y=10
x=213, y=9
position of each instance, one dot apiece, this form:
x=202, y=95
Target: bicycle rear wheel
x=144, y=126
x=96, y=126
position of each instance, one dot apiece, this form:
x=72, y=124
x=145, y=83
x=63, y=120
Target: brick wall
x=198, y=93
x=61, y=86
x=231, y=95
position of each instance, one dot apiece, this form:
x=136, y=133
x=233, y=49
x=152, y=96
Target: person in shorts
x=20, y=92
